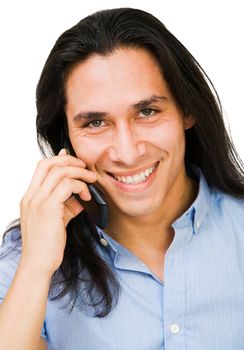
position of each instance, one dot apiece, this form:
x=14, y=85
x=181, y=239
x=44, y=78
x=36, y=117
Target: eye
x=96, y=123
x=148, y=112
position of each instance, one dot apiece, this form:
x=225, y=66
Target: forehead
x=128, y=74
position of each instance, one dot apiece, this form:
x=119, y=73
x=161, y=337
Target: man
x=140, y=122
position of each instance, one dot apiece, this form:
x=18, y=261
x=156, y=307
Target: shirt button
x=103, y=242
x=175, y=328
x=198, y=224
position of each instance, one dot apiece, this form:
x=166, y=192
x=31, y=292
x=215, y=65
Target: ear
x=188, y=122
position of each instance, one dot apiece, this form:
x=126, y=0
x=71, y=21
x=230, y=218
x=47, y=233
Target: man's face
x=124, y=122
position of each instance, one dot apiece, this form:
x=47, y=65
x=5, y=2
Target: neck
x=154, y=231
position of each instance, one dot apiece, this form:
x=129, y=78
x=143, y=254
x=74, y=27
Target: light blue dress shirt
x=199, y=306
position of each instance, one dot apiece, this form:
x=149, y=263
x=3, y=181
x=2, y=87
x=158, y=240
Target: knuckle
x=24, y=202
x=42, y=208
x=22, y=206
x=81, y=186
x=55, y=171
x=33, y=203
x=42, y=163
x=66, y=182
x=39, y=163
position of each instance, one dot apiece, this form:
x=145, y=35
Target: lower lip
x=135, y=187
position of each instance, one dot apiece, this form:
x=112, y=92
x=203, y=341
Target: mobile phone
x=96, y=208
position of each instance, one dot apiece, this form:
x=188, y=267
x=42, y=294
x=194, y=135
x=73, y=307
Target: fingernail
x=62, y=152
x=81, y=161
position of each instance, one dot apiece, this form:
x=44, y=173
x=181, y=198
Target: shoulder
x=11, y=244
x=10, y=251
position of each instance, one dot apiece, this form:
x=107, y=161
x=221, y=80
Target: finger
x=72, y=209
x=66, y=188
x=57, y=174
x=44, y=166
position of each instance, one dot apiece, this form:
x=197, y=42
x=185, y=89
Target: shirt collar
x=201, y=206
x=114, y=246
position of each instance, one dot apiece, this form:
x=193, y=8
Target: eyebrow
x=88, y=115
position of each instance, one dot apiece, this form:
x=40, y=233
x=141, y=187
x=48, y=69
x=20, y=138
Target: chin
x=139, y=210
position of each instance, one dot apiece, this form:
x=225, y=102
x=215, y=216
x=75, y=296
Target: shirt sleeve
x=10, y=251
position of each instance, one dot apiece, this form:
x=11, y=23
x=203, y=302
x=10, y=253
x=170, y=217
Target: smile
x=137, y=178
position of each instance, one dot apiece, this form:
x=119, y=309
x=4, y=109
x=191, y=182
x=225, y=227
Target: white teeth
x=129, y=179
x=138, y=178
x=147, y=172
x=123, y=179
x=142, y=177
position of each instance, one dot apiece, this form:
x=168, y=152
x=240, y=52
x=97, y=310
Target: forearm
x=22, y=312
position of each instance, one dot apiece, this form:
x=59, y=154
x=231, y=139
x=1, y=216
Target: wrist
x=34, y=272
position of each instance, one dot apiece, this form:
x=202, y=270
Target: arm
x=22, y=312
x=42, y=345
x=46, y=209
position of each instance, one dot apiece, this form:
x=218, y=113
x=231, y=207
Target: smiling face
x=125, y=125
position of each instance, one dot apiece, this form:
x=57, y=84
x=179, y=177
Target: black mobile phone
x=96, y=208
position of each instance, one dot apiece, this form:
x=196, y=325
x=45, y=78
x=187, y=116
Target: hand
x=48, y=206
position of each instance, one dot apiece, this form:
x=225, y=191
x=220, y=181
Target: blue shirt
x=199, y=306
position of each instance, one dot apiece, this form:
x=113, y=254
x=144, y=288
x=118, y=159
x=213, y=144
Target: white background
x=212, y=31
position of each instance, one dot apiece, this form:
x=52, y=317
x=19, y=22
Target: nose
x=127, y=147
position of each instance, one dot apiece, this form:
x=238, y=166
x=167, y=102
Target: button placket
x=174, y=290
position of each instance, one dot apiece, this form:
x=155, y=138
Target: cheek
x=167, y=138
x=89, y=150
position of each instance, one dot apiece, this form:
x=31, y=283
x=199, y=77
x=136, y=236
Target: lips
x=137, y=179
x=134, y=172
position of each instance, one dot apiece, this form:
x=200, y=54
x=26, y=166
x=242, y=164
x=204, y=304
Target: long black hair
x=208, y=144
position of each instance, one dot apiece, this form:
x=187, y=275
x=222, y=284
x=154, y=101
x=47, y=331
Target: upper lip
x=133, y=172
